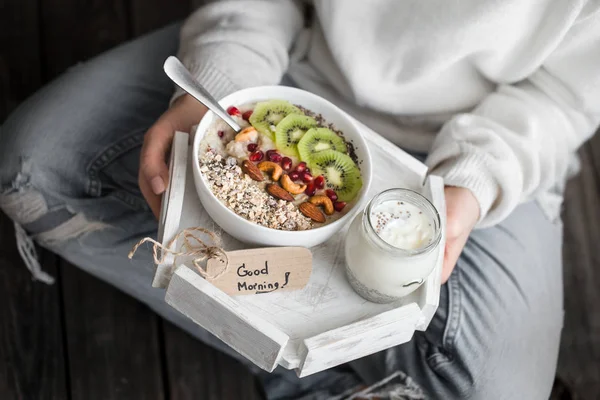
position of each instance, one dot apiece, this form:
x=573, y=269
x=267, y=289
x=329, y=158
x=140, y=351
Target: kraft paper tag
x=266, y=270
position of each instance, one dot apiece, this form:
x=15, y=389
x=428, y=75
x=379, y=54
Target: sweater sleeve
x=518, y=143
x=235, y=44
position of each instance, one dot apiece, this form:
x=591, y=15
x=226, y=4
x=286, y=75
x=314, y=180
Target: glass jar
x=383, y=271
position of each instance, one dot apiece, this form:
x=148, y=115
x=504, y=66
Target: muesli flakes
x=246, y=198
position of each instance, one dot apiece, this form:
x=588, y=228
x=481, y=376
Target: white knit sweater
x=500, y=93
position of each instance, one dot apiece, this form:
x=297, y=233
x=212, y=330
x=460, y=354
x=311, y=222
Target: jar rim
x=397, y=250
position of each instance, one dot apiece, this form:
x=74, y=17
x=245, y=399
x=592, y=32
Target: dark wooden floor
x=81, y=339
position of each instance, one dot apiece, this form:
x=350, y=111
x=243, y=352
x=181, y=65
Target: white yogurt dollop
x=402, y=225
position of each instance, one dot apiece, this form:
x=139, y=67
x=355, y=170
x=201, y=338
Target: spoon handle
x=182, y=78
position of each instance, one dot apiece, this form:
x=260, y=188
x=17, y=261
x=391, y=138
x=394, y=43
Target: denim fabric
x=68, y=175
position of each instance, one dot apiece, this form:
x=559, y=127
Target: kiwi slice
x=340, y=172
x=320, y=139
x=267, y=114
x=290, y=130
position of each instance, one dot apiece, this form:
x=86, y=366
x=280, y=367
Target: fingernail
x=157, y=184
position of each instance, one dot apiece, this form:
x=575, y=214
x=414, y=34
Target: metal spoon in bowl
x=182, y=78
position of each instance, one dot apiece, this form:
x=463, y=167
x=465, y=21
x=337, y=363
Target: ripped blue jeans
x=68, y=178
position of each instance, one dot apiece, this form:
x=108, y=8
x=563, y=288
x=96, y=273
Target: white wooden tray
x=326, y=323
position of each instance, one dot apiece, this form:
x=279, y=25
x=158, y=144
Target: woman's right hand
x=153, y=175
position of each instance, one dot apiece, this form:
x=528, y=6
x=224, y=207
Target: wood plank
x=75, y=30
x=20, y=70
x=253, y=337
x=199, y=3
x=32, y=365
x=148, y=15
x=112, y=341
x=197, y=371
x=362, y=338
x=430, y=294
x=560, y=391
x=579, y=361
x=172, y=204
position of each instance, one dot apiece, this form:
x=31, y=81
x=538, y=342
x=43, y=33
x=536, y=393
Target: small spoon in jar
x=180, y=75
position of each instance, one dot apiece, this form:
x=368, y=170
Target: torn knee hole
x=27, y=207
x=23, y=204
x=73, y=228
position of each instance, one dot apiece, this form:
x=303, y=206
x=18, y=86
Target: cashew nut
x=249, y=134
x=274, y=168
x=323, y=201
x=290, y=186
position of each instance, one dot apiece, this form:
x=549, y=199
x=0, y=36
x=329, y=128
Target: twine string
x=192, y=246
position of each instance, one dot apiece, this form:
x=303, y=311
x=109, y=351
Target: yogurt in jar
x=391, y=247
x=402, y=225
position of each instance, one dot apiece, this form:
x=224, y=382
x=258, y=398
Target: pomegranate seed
x=301, y=167
x=286, y=163
x=247, y=115
x=252, y=147
x=331, y=194
x=233, y=111
x=221, y=134
x=339, y=205
x=310, y=189
x=273, y=155
x=320, y=182
x=307, y=177
x=294, y=175
x=256, y=156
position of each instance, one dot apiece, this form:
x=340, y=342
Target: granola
x=247, y=198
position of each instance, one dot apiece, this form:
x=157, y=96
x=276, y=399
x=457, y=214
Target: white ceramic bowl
x=250, y=232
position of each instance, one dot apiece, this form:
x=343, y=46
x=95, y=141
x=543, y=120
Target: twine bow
x=192, y=246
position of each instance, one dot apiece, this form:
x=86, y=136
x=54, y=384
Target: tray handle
x=359, y=339
x=251, y=336
x=430, y=291
x=172, y=205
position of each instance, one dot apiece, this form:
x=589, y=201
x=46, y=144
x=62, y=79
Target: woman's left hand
x=462, y=213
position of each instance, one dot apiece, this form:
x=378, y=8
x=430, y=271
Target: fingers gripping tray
x=320, y=326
